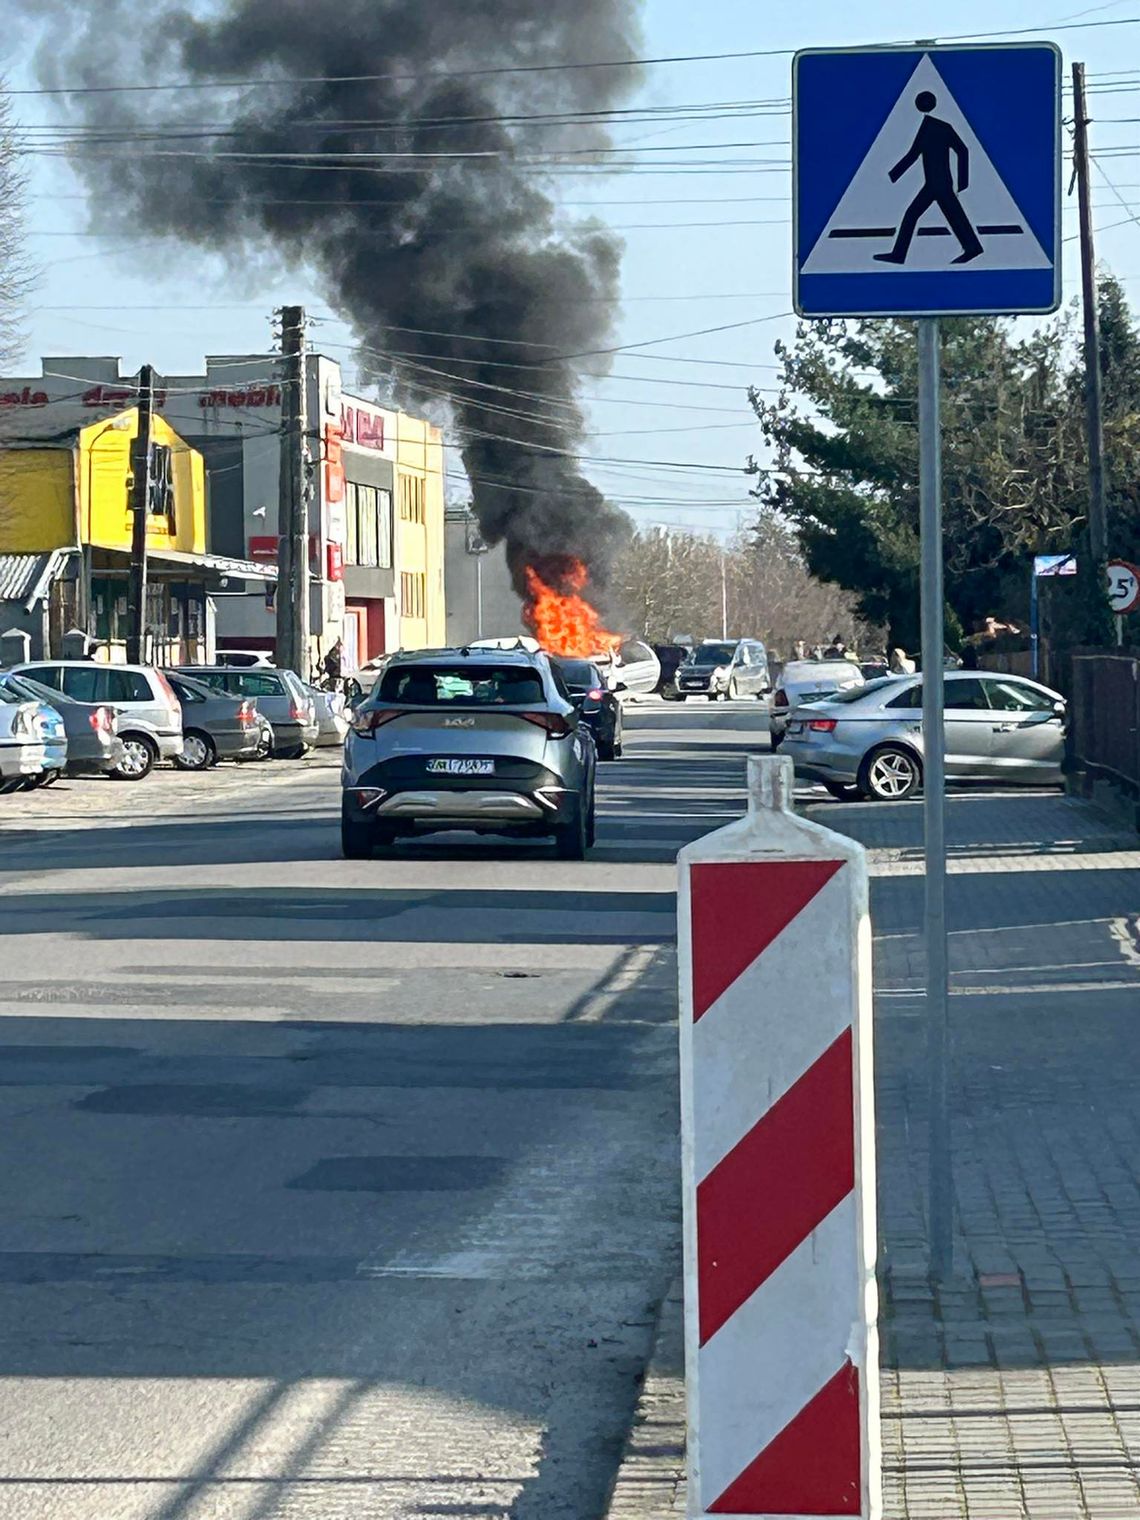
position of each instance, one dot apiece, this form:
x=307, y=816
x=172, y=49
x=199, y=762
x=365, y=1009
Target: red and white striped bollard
x=781, y=1304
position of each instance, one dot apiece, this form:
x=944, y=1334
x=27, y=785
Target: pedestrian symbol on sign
x=935, y=144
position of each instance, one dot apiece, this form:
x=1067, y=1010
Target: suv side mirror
x=1059, y=709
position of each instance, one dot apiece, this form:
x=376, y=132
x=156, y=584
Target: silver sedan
x=868, y=742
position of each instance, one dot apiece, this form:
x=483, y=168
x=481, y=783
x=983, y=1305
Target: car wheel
x=775, y=740
x=571, y=840
x=890, y=774
x=294, y=752
x=264, y=750
x=139, y=757
x=198, y=751
x=356, y=839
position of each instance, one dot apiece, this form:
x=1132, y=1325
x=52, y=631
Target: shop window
x=368, y=537
x=351, y=535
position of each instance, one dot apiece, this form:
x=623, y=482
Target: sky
x=707, y=244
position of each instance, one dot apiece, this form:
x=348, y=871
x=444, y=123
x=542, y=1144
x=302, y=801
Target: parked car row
x=79, y=717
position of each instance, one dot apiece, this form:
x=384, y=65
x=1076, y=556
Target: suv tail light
x=823, y=725
x=554, y=723
x=102, y=720
x=595, y=694
x=368, y=720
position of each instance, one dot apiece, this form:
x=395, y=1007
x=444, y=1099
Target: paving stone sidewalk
x=1012, y=1392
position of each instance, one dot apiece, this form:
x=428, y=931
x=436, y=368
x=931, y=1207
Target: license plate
x=461, y=767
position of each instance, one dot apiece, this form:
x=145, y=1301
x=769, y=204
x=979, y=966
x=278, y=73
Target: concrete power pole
x=1098, y=520
x=141, y=456
x=292, y=510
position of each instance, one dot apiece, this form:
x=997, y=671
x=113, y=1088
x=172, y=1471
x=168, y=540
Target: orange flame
x=562, y=620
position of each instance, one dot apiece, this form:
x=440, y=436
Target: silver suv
x=481, y=739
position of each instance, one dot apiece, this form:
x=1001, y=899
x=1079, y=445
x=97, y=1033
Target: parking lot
x=351, y=1188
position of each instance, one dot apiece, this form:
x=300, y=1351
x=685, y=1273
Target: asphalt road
x=336, y=1188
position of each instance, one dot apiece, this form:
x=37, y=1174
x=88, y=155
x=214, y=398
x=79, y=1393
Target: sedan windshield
x=461, y=685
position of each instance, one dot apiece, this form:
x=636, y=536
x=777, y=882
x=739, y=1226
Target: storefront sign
x=334, y=464
x=363, y=428
x=108, y=395
x=26, y=397
x=263, y=548
x=250, y=396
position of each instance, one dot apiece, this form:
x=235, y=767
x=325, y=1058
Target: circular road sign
x=1123, y=586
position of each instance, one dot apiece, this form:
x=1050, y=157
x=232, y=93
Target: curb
x=650, y=1483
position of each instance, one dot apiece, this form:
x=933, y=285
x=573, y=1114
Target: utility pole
x=1098, y=520
x=723, y=593
x=141, y=456
x=292, y=604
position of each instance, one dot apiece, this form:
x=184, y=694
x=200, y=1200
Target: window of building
x=351, y=531
x=412, y=498
x=413, y=594
x=368, y=536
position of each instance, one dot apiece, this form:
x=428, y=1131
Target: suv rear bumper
x=537, y=811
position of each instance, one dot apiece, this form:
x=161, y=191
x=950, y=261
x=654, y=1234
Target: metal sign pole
x=934, y=788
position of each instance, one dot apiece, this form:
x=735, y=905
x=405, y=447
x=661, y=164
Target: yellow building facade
x=419, y=512
x=68, y=503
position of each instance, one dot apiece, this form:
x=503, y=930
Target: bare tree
x=14, y=275
x=672, y=583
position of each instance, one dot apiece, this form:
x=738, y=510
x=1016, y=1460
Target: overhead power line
x=430, y=76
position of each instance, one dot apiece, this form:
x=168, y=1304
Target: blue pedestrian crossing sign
x=927, y=181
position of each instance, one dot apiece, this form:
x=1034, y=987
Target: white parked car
x=808, y=681
x=23, y=748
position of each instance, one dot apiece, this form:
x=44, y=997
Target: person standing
x=901, y=664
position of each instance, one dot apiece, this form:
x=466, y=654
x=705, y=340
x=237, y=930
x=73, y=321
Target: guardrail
x=1105, y=709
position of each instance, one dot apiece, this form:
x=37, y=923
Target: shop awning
x=215, y=565
x=27, y=578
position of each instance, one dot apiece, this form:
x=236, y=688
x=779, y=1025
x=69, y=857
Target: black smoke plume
x=422, y=200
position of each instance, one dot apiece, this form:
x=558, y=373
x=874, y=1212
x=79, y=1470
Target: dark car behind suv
x=597, y=705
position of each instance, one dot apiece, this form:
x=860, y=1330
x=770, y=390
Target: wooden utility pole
x=293, y=510
x=141, y=456
x=1094, y=419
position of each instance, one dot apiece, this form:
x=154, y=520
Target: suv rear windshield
x=461, y=685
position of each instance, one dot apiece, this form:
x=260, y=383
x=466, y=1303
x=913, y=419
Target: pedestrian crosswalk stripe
x=960, y=210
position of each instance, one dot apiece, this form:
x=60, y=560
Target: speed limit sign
x=1123, y=586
